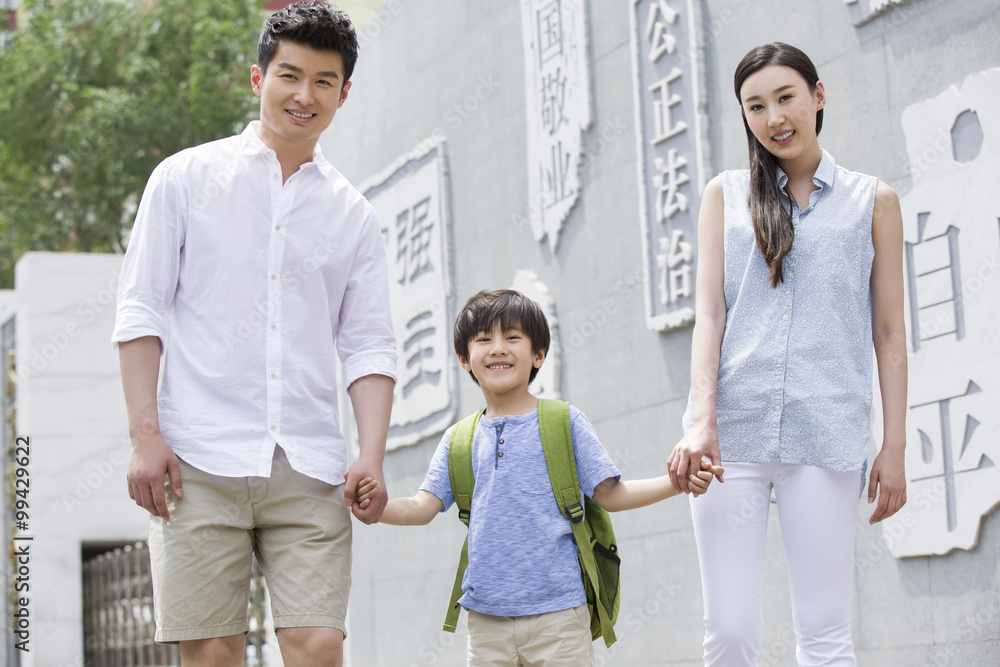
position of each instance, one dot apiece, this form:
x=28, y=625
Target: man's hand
x=151, y=459
x=686, y=458
x=888, y=481
x=359, y=478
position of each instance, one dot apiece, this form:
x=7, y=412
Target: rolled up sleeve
x=148, y=279
x=366, y=343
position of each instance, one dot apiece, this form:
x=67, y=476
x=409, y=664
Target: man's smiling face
x=299, y=94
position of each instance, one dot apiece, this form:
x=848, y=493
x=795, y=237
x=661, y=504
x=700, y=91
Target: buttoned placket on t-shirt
x=498, y=459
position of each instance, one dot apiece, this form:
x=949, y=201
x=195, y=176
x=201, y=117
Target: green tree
x=94, y=94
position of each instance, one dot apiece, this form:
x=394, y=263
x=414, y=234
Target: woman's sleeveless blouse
x=795, y=372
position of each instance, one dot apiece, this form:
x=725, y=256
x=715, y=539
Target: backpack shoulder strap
x=556, y=432
x=557, y=441
x=460, y=464
x=463, y=483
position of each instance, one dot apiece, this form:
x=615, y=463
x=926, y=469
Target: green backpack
x=594, y=536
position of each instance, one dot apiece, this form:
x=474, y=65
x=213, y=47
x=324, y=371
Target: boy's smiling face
x=502, y=361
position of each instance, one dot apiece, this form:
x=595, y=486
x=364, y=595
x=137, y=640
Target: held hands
x=686, y=460
x=365, y=492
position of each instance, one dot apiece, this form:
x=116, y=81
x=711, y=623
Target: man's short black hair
x=508, y=308
x=312, y=23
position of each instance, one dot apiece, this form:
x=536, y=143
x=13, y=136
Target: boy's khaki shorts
x=556, y=639
x=201, y=559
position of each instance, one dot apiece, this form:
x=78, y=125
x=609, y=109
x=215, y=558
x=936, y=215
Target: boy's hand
x=700, y=480
x=367, y=489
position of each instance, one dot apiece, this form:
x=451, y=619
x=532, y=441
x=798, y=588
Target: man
x=250, y=259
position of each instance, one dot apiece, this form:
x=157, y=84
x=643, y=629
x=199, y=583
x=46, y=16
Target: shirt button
x=500, y=454
x=780, y=361
x=274, y=375
x=274, y=177
x=273, y=327
x=784, y=317
x=778, y=406
x=274, y=277
x=273, y=427
x=277, y=227
x=791, y=274
x=501, y=441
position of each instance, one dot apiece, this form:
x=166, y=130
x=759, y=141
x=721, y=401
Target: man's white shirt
x=252, y=286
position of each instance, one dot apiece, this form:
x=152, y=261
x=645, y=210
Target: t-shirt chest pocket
x=528, y=465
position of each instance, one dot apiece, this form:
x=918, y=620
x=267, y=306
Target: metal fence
x=118, y=613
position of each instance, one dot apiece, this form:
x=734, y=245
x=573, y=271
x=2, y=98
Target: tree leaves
x=95, y=94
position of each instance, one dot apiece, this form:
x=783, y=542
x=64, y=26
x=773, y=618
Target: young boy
x=523, y=587
x=252, y=263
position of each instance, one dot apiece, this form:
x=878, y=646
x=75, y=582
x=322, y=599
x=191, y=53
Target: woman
x=799, y=273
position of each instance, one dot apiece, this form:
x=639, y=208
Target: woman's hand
x=700, y=442
x=887, y=481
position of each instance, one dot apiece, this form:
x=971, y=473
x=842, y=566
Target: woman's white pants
x=817, y=510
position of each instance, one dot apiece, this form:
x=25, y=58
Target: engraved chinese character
x=550, y=33
x=667, y=179
x=675, y=268
x=946, y=430
x=414, y=233
x=418, y=347
x=660, y=40
x=553, y=100
x=555, y=176
x=934, y=275
x=662, y=127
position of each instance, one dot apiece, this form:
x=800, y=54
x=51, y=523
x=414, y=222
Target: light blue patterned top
x=522, y=557
x=795, y=372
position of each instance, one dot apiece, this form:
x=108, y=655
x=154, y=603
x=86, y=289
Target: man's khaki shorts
x=556, y=639
x=297, y=526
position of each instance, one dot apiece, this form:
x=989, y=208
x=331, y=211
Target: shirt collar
x=252, y=145
x=823, y=176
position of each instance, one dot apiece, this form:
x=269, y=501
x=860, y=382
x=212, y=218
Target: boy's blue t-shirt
x=522, y=557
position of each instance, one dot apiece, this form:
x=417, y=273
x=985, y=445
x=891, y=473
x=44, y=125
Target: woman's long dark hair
x=772, y=221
